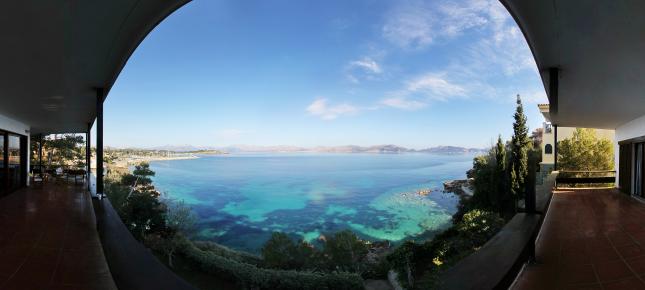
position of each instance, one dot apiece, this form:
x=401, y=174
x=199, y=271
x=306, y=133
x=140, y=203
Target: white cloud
x=367, y=64
x=418, y=92
x=417, y=24
x=435, y=86
x=410, y=27
x=321, y=109
x=458, y=17
x=364, y=68
x=494, y=62
x=404, y=103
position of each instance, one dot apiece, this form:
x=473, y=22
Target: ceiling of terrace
x=599, y=49
x=53, y=54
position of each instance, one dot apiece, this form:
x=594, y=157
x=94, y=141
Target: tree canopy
x=61, y=150
x=585, y=151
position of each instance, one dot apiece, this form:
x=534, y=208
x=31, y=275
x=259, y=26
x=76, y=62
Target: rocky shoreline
x=461, y=187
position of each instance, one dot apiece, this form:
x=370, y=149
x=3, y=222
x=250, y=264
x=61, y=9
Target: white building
x=549, y=134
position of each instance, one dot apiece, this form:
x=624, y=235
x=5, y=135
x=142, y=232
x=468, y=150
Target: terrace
x=48, y=240
x=591, y=239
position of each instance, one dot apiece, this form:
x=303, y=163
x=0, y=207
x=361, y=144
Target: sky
x=323, y=73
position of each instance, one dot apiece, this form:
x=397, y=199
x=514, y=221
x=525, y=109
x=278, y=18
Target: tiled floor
x=590, y=239
x=48, y=240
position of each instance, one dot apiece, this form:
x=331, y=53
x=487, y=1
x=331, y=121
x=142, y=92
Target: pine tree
x=501, y=189
x=519, y=152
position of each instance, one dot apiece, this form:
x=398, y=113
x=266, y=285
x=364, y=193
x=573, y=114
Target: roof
x=55, y=54
x=544, y=109
x=596, y=48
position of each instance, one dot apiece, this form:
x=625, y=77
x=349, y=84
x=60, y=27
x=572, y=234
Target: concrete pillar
x=99, y=142
x=555, y=147
x=88, y=156
x=40, y=154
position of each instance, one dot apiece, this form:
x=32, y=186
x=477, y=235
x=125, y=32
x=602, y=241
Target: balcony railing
x=585, y=177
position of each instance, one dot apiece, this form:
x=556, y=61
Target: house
x=549, y=133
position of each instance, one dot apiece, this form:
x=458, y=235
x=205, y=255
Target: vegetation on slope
x=166, y=226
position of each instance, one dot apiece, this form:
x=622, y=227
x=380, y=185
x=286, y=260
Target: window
x=12, y=162
x=548, y=149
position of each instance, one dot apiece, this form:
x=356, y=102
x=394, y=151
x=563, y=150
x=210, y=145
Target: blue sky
x=308, y=73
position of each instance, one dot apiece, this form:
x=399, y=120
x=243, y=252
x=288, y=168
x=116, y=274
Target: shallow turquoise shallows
x=241, y=198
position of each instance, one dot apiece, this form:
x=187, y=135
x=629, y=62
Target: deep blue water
x=241, y=198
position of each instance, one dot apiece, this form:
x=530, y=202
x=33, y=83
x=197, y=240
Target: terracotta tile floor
x=48, y=240
x=590, y=239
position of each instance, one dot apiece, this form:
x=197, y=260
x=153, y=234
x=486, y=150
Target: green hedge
x=225, y=252
x=252, y=277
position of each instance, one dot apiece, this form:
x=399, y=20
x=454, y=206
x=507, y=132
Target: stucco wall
x=14, y=126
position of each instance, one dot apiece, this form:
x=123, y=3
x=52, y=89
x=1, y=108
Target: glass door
x=638, y=169
x=3, y=179
x=15, y=162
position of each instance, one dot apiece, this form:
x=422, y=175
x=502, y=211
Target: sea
x=240, y=199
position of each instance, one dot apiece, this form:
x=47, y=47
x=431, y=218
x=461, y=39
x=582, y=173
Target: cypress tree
x=519, y=152
x=501, y=190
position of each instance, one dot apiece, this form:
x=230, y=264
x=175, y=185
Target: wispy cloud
x=320, y=108
x=417, y=24
x=409, y=27
x=364, y=68
x=418, y=92
x=404, y=103
x=435, y=86
x=367, y=64
x=492, y=62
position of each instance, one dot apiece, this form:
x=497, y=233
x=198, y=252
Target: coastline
x=460, y=187
x=134, y=160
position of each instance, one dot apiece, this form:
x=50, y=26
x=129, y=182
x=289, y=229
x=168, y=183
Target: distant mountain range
x=446, y=150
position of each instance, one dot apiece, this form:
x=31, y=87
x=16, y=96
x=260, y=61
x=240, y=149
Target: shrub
x=427, y=260
x=478, y=226
x=345, y=252
x=280, y=252
x=253, y=277
x=143, y=214
x=225, y=252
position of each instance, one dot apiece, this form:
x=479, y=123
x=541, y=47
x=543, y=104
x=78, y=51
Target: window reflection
x=15, y=166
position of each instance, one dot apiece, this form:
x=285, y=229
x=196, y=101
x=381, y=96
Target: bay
x=240, y=199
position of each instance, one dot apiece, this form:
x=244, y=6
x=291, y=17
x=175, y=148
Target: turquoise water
x=241, y=198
